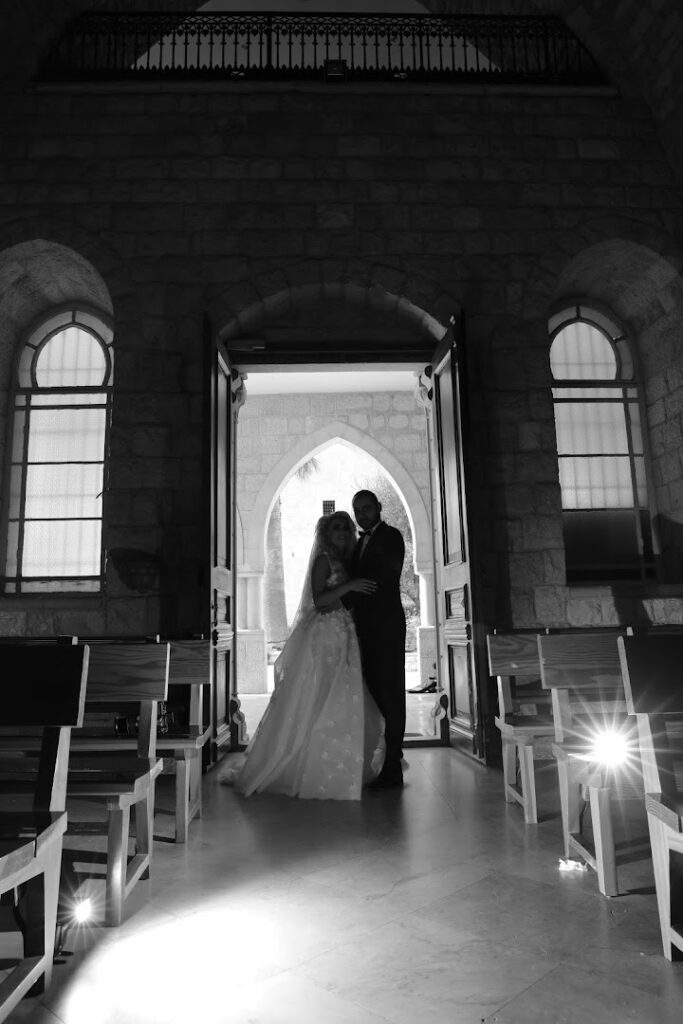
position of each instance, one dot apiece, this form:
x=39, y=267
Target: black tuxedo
x=381, y=628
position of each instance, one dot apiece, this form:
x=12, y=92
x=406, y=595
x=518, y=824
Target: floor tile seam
x=353, y=1003
x=341, y=995
x=589, y=901
x=41, y=1001
x=442, y=896
x=323, y=889
x=453, y=950
x=528, y=988
x=594, y=970
x=299, y=964
x=581, y=959
x=443, y=794
x=338, y=994
x=414, y=911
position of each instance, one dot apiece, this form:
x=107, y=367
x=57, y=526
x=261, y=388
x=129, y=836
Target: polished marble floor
x=434, y=904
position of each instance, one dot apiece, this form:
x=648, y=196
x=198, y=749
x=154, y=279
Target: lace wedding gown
x=321, y=736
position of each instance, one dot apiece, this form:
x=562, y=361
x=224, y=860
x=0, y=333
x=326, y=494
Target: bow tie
x=365, y=533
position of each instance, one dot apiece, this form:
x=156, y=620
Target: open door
x=458, y=656
x=224, y=395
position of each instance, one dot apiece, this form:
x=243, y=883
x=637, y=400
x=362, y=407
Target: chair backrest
x=190, y=662
x=513, y=659
x=584, y=673
x=130, y=674
x=652, y=668
x=189, y=672
x=513, y=654
x=42, y=687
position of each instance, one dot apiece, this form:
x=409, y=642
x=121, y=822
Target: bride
x=321, y=736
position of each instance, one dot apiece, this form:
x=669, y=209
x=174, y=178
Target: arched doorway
x=348, y=458
x=348, y=316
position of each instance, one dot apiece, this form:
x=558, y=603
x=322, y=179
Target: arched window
x=56, y=461
x=601, y=454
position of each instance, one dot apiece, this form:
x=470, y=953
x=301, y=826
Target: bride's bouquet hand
x=363, y=586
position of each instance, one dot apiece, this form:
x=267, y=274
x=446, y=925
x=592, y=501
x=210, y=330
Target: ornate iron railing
x=115, y=45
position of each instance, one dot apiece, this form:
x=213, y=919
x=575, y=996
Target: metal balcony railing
x=323, y=47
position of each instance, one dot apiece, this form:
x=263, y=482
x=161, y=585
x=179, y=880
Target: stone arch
x=620, y=245
x=255, y=529
x=82, y=257
x=418, y=302
x=36, y=276
x=636, y=281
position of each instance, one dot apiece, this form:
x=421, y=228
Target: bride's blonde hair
x=323, y=530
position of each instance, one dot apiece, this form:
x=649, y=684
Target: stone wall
x=166, y=204
x=270, y=427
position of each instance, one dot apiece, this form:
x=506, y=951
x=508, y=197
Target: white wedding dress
x=321, y=736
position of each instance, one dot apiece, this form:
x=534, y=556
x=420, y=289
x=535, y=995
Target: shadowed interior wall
x=184, y=200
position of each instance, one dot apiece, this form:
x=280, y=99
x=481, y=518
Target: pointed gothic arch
x=254, y=538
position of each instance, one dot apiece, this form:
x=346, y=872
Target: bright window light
x=57, y=476
x=600, y=449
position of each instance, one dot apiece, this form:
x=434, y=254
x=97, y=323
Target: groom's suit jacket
x=379, y=617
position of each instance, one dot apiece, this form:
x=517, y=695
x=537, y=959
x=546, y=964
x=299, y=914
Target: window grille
x=56, y=465
x=328, y=508
x=601, y=451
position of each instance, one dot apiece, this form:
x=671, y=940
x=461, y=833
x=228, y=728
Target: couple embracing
x=336, y=719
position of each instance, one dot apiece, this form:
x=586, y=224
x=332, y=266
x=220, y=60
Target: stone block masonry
x=162, y=205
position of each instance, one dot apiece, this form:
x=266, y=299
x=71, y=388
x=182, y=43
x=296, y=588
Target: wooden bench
x=180, y=732
x=652, y=668
x=187, y=734
x=123, y=677
x=524, y=714
x=126, y=680
x=583, y=672
x=43, y=689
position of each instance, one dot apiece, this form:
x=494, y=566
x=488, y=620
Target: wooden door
x=459, y=658
x=223, y=398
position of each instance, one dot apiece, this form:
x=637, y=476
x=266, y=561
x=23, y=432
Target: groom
x=381, y=626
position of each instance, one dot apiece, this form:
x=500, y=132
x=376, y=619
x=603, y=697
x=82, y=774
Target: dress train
x=321, y=736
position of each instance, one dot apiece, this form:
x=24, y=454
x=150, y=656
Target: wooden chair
x=524, y=715
x=180, y=732
x=40, y=688
x=652, y=668
x=187, y=734
x=126, y=681
x=182, y=743
x=584, y=674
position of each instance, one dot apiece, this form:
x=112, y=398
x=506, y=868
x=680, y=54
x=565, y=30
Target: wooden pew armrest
x=182, y=743
x=526, y=722
x=101, y=775
x=16, y=853
x=668, y=810
x=32, y=824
